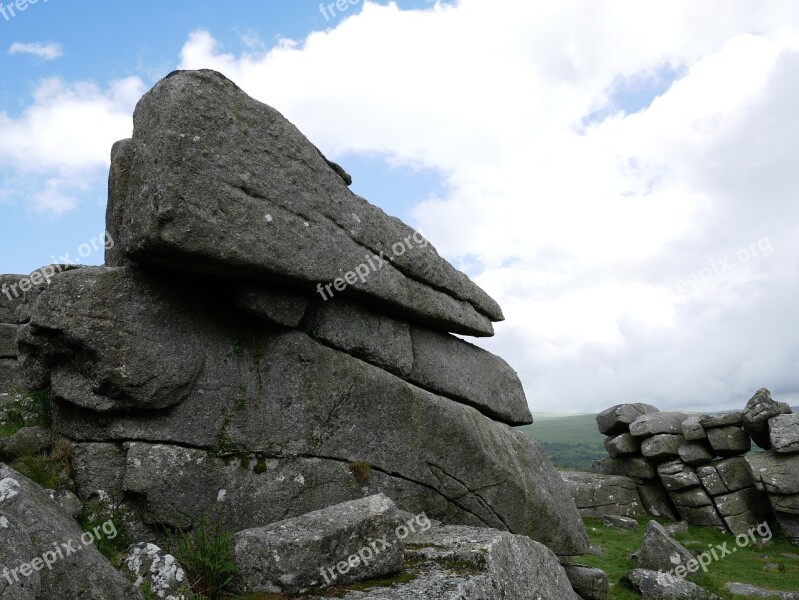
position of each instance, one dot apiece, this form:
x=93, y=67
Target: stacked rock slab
x=599, y=495
x=10, y=297
x=720, y=494
x=624, y=445
x=776, y=472
x=264, y=343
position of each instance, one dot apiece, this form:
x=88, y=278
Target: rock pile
x=776, y=472
x=263, y=343
x=699, y=462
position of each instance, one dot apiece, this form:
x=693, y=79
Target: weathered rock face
x=147, y=563
x=752, y=591
x=655, y=423
x=622, y=445
x=616, y=419
x=778, y=476
x=219, y=381
x=664, y=586
x=634, y=467
x=759, y=410
x=465, y=563
x=728, y=441
x=598, y=495
x=659, y=552
x=695, y=453
x=784, y=433
x=32, y=525
x=337, y=545
x=243, y=192
x=692, y=429
x=590, y=583
x=10, y=298
x=662, y=447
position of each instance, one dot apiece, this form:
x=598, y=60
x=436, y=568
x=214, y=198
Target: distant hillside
x=571, y=441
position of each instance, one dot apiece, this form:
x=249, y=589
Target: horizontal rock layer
x=202, y=187
x=134, y=360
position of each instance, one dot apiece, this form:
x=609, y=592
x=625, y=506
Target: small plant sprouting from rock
x=241, y=402
x=204, y=553
x=224, y=443
x=361, y=471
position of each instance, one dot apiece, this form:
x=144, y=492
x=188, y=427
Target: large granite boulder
x=203, y=187
x=622, y=445
x=677, y=476
x=11, y=376
x=656, y=423
x=660, y=552
x=598, y=495
x=635, y=467
x=692, y=429
x=778, y=476
x=722, y=419
x=653, y=585
x=8, y=340
x=616, y=419
x=759, y=410
x=784, y=433
x=45, y=552
x=695, y=453
x=11, y=296
x=662, y=447
x=590, y=583
x=134, y=359
x=454, y=368
x=337, y=545
x=728, y=440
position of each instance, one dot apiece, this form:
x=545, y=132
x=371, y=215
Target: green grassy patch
x=28, y=409
x=571, y=442
x=745, y=565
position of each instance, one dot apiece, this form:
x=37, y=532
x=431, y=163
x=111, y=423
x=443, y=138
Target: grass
x=204, y=553
x=745, y=565
x=29, y=409
x=95, y=514
x=571, y=442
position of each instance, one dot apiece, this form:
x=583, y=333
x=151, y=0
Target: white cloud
x=581, y=229
x=43, y=51
x=582, y=232
x=62, y=141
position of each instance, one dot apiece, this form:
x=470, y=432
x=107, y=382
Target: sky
x=620, y=175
